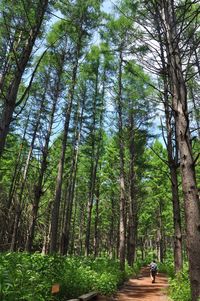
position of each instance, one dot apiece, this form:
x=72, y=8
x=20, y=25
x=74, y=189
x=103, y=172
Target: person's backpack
x=153, y=267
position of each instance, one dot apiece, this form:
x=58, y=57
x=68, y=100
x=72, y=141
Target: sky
x=107, y=5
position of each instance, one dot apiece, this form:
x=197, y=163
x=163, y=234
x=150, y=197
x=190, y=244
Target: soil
x=142, y=289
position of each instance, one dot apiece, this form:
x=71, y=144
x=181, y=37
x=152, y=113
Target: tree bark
x=159, y=238
x=132, y=231
x=96, y=224
x=122, y=172
x=94, y=165
x=173, y=166
x=189, y=186
x=111, y=231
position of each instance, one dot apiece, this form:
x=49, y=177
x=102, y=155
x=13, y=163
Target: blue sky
x=107, y=5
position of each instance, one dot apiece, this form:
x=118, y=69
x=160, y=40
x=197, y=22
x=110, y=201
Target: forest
x=99, y=145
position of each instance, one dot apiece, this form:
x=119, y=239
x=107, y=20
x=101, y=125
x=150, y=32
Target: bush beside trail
x=29, y=277
x=179, y=284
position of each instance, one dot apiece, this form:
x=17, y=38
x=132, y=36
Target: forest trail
x=141, y=289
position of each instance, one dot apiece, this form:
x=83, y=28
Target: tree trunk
x=189, y=186
x=6, y=227
x=159, y=239
x=73, y=247
x=47, y=230
x=94, y=164
x=178, y=261
x=57, y=199
x=12, y=91
x=172, y=156
x=14, y=239
x=122, y=172
x=173, y=166
x=43, y=167
x=25, y=173
x=65, y=233
x=131, y=247
x=111, y=232
x=81, y=223
x=17, y=168
x=96, y=225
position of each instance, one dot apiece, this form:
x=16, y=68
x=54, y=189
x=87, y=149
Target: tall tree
x=57, y=73
x=171, y=144
x=70, y=189
x=155, y=210
x=139, y=115
x=21, y=23
x=84, y=21
x=96, y=108
x=175, y=20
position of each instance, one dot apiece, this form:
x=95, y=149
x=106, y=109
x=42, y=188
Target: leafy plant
x=29, y=277
x=179, y=286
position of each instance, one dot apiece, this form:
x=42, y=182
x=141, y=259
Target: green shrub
x=25, y=277
x=167, y=267
x=179, y=286
x=29, y=277
x=106, y=283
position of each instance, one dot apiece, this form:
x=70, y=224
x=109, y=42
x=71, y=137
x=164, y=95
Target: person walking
x=153, y=270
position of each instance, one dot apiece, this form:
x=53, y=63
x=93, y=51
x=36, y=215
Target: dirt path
x=141, y=289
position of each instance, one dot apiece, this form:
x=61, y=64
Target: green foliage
x=8, y=163
x=179, y=285
x=135, y=269
x=157, y=202
x=25, y=277
x=179, y=289
x=167, y=267
x=30, y=277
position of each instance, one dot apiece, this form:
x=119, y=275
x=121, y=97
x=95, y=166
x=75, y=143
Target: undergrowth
x=29, y=277
x=179, y=285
